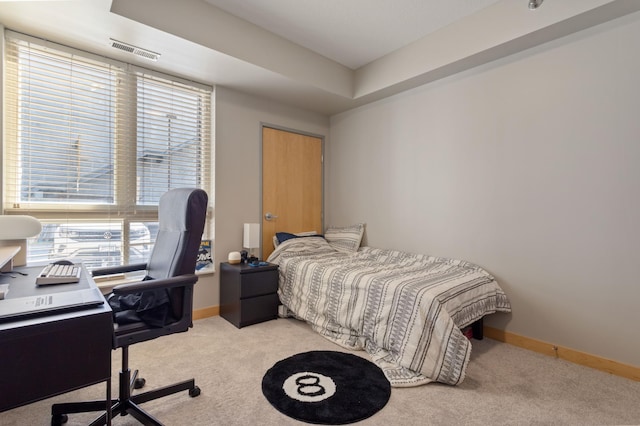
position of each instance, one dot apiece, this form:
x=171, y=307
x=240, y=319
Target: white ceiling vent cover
x=126, y=47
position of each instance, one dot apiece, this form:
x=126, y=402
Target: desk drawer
x=49, y=357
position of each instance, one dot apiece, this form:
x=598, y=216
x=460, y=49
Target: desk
x=44, y=356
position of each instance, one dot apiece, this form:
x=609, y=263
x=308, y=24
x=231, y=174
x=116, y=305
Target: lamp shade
x=251, y=238
x=19, y=227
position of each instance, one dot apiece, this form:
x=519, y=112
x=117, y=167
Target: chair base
x=128, y=406
x=126, y=403
x=131, y=406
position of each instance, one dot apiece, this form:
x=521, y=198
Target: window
x=91, y=145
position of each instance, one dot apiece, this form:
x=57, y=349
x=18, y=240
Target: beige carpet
x=505, y=385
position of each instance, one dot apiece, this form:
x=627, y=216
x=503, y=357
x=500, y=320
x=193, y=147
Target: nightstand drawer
x=258, y=309
x=259, y=284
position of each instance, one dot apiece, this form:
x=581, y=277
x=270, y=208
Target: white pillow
x=345, y=239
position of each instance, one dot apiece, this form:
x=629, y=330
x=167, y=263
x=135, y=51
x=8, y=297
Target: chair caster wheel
x=194, y=392
x=139, y=383
x=59, y=419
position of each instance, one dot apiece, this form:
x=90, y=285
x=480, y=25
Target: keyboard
x=54, y=273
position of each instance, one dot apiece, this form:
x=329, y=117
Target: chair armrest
x=119, y=269
x=174, y=282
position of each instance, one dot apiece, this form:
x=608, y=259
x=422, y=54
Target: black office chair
x=170, y=272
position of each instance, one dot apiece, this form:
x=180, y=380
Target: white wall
x=237, y=197
x=529, y=167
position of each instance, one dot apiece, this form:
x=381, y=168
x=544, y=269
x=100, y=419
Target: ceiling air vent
x=126, y=47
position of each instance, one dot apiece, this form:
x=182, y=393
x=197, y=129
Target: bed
x=407, y=311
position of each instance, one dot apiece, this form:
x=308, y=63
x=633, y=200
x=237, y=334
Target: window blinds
x=96, y=140
x=60, y=114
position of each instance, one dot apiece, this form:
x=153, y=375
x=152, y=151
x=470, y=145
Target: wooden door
x=291, y=184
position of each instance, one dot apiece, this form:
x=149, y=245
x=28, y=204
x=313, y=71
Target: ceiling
x=325, y=56
x=354, y=32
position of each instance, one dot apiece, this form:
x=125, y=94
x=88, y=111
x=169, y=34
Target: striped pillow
x=346, y=239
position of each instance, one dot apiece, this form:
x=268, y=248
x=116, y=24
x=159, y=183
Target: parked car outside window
x=99, y=244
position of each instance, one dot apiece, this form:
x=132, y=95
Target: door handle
x=269, y=216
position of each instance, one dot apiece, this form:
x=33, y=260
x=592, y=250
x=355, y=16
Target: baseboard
x=211, y=311
x=571, y=355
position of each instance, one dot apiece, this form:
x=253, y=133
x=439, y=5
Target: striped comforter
x=405, y=310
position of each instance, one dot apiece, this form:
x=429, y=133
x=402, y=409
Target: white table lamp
x=251, y=237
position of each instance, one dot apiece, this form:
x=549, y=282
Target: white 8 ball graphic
x=309, y=387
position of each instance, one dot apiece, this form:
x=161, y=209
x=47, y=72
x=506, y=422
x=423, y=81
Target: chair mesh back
x=181, y=216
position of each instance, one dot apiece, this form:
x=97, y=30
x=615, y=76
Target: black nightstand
x=248, y=295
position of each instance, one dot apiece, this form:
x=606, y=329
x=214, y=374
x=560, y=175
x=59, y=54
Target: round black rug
x=326, y=387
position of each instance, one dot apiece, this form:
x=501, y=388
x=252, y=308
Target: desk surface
x=47, y=355
x=25, y=286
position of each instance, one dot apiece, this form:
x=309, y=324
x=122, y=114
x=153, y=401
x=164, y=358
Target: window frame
x=124, y=207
